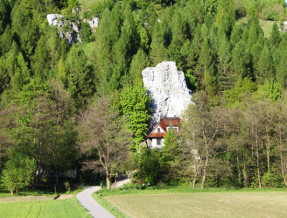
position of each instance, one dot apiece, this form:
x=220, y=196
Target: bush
x=67, y=186
x=18, y=173
x=149, y=167
x=271, y=180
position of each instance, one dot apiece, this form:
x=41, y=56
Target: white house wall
x=154, y=143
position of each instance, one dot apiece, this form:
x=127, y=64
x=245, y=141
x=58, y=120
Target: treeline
x=48, y=87
x=238, y=146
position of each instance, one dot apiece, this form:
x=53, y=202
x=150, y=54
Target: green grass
x=106, y=204
x=48, y=208
x=89, y=49
x=4, y=193
x=88, y=4
x=266, y=25
x=182, y=202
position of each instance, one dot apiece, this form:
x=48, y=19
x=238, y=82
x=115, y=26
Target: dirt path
x=33, y=198
x=25, y=198
x=86, y=199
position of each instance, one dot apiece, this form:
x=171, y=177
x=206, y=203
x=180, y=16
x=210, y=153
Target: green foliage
x=149, y=166
x=80, y=77
x=18, y=172
x=67, y=186
x=171, y=145
x=271, y=90
x=4, y=15
x=271, y=180
x=44, y=81
x=86, y=32
x=242, y=88
x=135, y=105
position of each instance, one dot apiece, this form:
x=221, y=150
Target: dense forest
x=83, y=106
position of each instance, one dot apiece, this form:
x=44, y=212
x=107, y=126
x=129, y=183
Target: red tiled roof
x=164, y=123
x=156, y=135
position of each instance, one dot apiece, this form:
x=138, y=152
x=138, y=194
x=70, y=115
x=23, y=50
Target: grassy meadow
x=88, y=4
x=187, y=203
x=41, y=204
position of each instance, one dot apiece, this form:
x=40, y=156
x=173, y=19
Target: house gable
x=160, y=130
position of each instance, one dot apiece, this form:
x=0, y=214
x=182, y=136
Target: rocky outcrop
x=94, y=23
x=71, y=34
x=56, y=20
x=168, y=89
x=283, y=27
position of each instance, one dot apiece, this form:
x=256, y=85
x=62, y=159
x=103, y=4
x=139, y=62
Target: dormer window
x=174, y=128
x=158, y=129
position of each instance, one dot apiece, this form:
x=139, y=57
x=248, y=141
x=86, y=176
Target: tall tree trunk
x=238, y=165
x=282, y=166
x=206, y=160
x=245, y=175
x=268, y=151
x=196, y=173
x=12, y=192
x=204, y=172
x=203, y=177
x=258, y=163
x=108, y=180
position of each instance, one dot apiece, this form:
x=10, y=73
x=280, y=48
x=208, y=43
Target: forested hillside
x=63, y=105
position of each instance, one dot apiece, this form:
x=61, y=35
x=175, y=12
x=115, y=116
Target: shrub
x=67, y=186
x=18, y=173
x=271, y=180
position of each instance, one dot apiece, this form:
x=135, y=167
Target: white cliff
x=168, y=89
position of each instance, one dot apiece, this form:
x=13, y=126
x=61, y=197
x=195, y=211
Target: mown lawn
x=47, y=208
x=165, y=203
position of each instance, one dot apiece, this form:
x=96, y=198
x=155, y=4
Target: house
x=156, y=136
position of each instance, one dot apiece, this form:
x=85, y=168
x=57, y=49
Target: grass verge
x=106, y=204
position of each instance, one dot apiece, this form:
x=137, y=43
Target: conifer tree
x=139, y=62
x=158, y=49
x=224, y=57
x=4, y=15
x=241, y=61
x=265, y=64
x=275, y=37
x=205, y=68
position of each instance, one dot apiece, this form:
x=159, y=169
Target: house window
x=158, y=141
x=158, y=129
x=173, y=128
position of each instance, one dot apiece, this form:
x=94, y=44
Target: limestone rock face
x=168, y=89
x=284, y=27
x=58, y=20
x=94, y=23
